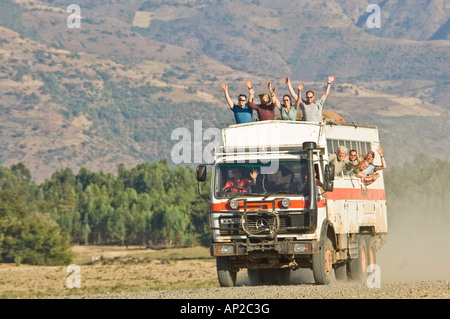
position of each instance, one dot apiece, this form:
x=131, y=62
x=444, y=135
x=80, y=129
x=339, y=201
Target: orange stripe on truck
x=295, y=204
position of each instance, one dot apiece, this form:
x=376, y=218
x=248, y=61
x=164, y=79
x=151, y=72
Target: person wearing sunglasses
x=353, y=164
x=242, y=112
x=287, y=109
x=312, y=110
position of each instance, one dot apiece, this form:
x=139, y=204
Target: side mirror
x=201, y=173
x=328, y=185
x=329, y=173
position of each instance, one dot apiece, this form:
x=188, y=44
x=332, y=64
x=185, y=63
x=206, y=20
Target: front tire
x=225, y=274
x=322, y=263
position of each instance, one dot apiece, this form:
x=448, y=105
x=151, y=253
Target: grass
x=120, y=270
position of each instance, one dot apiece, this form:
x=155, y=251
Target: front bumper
x=280, y=247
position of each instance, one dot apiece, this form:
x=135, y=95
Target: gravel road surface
x=439, y=289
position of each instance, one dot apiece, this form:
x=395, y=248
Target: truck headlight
x=286, y=202
x=234, y=203
x=225, y=250
x=302, y=248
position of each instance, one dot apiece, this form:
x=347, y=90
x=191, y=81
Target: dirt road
x=430, y=289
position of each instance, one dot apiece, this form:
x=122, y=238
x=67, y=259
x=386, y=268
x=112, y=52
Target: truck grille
x=263, y=224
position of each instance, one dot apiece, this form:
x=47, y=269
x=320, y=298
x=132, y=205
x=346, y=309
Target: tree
x=27, y=236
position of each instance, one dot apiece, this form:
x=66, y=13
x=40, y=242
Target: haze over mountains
x=113, y=90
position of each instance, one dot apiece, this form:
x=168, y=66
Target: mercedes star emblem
x=262, y=223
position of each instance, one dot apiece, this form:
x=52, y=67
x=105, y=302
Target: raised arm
x=227, y=96
x=276, y=101
x=253, y=175
x=272, y=94
x=331, y=79
x=290, y=88
x=251, y=91
x=383, y=162
x=299, y=99
x=368, y=180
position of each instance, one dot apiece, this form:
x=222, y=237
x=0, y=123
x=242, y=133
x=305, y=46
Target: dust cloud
x=417, y=247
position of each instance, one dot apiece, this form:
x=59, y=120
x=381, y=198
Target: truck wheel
x=282, y=276
x=255, y=277
x=340, y=272
x=371, y=253
x=357, y=267
x=322, y=263
x=227, y=277
x=269, y=276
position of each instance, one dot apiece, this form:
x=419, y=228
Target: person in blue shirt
x=242, y=112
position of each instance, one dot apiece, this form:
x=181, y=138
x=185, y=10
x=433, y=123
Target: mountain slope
x=115, y=89
x=61, y=109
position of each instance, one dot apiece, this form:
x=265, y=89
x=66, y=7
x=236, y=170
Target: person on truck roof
x=242, y=112
x=312, y=110
x=265, y=110
x=287, y=109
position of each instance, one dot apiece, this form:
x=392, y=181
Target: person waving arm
x=331, y=79
x=299, y=99
x=227, y=96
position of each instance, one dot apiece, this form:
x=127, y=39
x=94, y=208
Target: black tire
x=255, y=277
x=322, y=263
x=340, y=272
x=357, y=267
x=269, y=276
x=282, y=276
x=226, y=276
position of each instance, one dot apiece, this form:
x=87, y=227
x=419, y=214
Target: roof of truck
x=327, y=122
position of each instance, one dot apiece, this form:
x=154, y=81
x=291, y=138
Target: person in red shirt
x=234, y=183
x=265, y=110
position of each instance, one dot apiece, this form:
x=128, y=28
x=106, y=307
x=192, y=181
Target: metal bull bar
x=260, y=224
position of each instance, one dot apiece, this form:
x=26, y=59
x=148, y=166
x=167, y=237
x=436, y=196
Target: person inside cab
x=239, y=184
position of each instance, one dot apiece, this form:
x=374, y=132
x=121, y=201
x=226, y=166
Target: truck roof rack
x=265, y=149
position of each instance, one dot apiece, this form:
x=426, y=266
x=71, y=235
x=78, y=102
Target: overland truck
x=276, y=204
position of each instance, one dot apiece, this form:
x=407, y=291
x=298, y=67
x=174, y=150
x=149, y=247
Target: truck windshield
x=253, y=180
